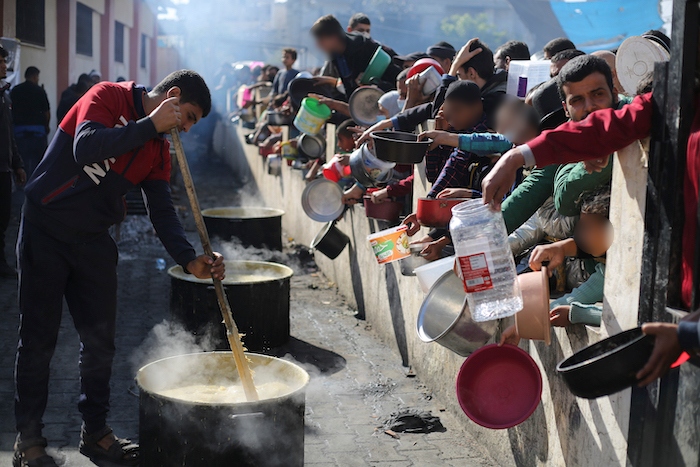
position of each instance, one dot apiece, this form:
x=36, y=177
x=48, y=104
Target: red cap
x=422, y=65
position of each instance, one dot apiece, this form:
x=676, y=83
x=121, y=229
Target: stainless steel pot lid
x=363, y=104
x=322, y=200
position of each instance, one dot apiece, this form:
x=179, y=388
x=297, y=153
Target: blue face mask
x=401, y=103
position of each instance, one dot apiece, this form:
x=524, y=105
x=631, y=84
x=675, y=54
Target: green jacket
x=528, y=197
x=571, y=180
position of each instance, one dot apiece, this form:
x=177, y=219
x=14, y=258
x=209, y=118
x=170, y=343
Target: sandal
x=21, y=446
x=122, y=452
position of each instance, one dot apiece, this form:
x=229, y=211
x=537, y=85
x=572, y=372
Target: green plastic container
x=312, y=116
x=377, y=66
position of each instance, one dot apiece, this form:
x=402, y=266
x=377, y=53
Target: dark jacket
x=10, y=158
x=493, y=93
x=68, y=99
x=351, y=63
x=104, y=146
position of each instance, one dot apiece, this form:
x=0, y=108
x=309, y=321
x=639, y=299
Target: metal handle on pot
x=247, y=415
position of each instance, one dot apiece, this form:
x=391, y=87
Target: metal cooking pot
x=436, y=212
x=400, y=147
x=389, y=210
x=312, y=146
x=444, y=318
x=416, y=260
x=608, y=366
x=376, y=173
x=266, y=433
x=274, y=165
x=256, y=227
x=258, y=293
x=330, y=241
x=276, y=118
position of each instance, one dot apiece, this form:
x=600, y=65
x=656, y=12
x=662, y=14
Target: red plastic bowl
x=499, y=387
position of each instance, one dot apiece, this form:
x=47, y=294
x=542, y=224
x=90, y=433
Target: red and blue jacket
x=104, y=146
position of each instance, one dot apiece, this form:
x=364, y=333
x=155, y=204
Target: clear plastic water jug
x=485, y=261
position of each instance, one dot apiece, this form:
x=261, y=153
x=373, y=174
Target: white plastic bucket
x=429, y=274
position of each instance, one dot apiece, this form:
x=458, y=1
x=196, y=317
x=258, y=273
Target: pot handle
x=246, y=415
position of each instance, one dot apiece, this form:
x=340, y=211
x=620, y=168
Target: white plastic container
x=431, y=80
x=429, y=274
x=485, y=261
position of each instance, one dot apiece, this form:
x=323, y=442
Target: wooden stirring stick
x=232, y=334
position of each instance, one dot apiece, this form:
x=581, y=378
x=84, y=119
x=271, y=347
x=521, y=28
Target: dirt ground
x=356, y=382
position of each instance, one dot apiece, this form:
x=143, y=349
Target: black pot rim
x=564, y=369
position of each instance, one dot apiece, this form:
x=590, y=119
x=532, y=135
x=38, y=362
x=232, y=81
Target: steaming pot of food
x=258, y=293
x=256, y=227
x=192, y=411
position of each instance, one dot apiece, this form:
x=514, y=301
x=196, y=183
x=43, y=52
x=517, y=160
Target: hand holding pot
x=379, y=196
x=667, y=349
x=412, y=222
x=458, y=193
x=510, y=336
x=554, y=254
x=440, y=138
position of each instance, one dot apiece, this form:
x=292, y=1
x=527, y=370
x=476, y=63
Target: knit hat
x=442, y=50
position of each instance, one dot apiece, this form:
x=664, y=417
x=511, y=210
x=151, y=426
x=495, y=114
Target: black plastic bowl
x=400, y=147
x=330, y=241
x=608, y=366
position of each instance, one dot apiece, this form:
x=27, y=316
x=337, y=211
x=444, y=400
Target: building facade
x=64, y=38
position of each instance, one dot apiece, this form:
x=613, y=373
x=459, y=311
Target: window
x=30, y=22
x=83, y=30
x=118, y=42
x=144, y=43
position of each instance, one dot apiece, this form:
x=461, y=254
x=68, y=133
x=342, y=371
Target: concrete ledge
x=563, y=430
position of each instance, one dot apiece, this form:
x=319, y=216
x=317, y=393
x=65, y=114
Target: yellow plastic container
x=312, y=116
x=390, y=245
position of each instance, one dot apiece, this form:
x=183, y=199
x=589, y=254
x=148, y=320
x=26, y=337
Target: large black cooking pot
x=178, y=432
x=400, y=147
x=330, y=241
x=258, y=293
x=608, y=366
x=256, y=227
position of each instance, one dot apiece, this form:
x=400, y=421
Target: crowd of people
x=525, y=157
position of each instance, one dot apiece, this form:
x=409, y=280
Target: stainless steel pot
x=445, y=318
x=266, y=433
x=312, y=146
x=276, y=118
x=416, y=260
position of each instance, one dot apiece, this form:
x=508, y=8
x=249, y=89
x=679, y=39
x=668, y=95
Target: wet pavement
x=356, y=382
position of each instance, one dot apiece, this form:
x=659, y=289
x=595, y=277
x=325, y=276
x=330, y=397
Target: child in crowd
x=592, y=238
x=463, y=110
x=344, y=142
x=514, y=119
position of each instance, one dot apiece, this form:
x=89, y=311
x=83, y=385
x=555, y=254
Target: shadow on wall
x=229, y=147
x=396, y=310
x=356, y=272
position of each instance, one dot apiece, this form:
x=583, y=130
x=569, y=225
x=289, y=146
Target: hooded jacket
x=105, y=145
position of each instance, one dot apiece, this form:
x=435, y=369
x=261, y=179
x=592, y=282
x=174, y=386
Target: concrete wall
x=563, y=431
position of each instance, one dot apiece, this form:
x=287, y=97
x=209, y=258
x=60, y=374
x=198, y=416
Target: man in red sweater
x=109, y=141
x=612, y=130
